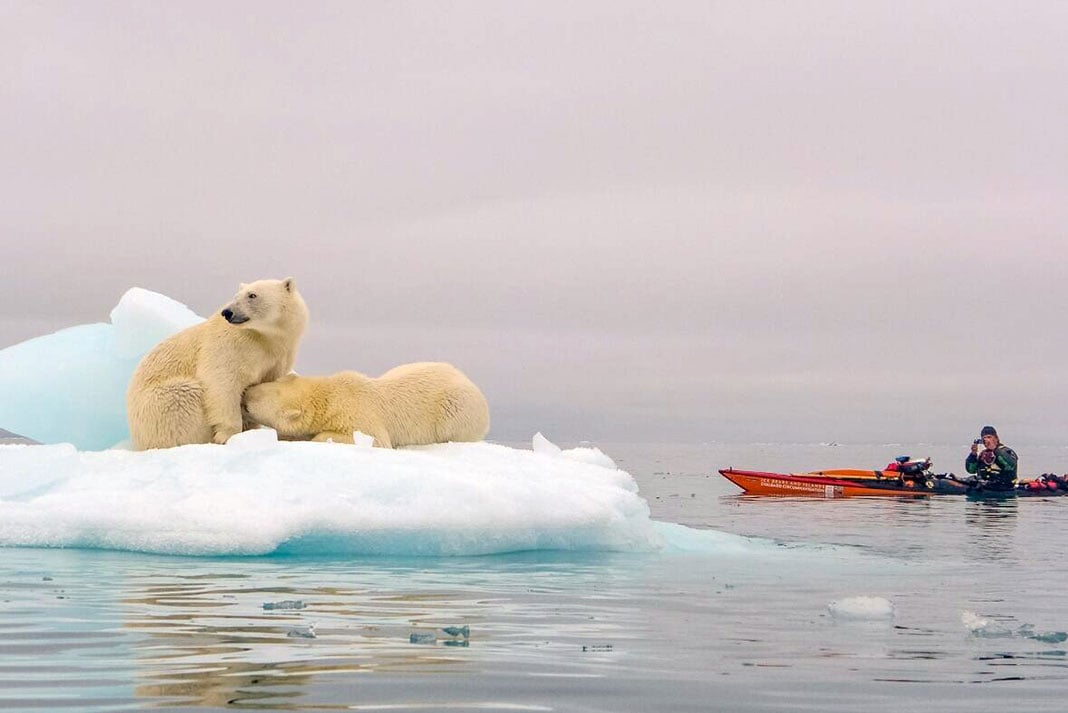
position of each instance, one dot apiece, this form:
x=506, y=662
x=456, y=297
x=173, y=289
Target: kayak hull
x=830, y=486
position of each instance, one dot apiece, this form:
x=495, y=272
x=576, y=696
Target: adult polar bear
x=410, y=405
x=188, y=388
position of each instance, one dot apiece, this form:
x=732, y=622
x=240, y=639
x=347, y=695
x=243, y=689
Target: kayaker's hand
x=975, y=449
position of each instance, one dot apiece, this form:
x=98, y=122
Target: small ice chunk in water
x=362, y=440
x=986, y=629
x=420, y=637
x=972, y=621
x=302, y=632
x=861, y=608
x=1048, y=637
x=284, y=604
x=982, y=627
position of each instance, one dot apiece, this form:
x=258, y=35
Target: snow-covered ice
x=257, y=496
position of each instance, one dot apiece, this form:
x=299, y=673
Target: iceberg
x=70, y=386
x=259, y=496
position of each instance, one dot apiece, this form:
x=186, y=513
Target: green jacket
x=1002, y=467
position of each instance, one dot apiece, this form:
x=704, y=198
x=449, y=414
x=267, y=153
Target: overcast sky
x=681, y=221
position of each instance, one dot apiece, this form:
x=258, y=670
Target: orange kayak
x=840, y=484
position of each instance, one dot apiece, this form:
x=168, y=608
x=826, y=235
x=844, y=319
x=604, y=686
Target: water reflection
x=212, y=643
x=207, y=640
x=992, y=524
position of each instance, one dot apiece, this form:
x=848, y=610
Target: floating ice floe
x=302, y=632
x=983, y=628
x=257, y=495
x=975, y=624
x=285, y=604
x=862, y=608
x=260, y=496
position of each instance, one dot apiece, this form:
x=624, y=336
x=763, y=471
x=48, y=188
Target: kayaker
x=995, y=465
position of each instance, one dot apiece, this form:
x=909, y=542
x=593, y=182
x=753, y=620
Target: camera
x=977, y=441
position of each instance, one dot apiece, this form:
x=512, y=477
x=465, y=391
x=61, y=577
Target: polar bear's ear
x=292, y=415
x=288, y=283
x=242, y=286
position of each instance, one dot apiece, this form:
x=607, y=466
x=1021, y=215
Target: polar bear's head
x=268, y=305
x=288, y=405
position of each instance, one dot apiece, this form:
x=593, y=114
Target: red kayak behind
x=824, y=484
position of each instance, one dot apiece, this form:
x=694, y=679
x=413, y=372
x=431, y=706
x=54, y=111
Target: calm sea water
x=730, y=630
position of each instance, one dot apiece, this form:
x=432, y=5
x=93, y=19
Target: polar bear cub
x=412, y=404
x=188, y=388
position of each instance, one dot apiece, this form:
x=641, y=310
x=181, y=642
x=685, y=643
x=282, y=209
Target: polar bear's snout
x=234, y=317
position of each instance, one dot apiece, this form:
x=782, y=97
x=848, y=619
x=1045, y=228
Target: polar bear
x=188, y=388
x=412, y=404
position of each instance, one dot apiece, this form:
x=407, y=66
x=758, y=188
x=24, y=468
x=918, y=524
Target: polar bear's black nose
x=234, y=317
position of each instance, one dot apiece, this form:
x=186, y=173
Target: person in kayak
x=995, y=465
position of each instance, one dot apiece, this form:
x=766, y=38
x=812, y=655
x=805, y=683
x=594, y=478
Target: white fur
x=188, y=388
x=412, y=404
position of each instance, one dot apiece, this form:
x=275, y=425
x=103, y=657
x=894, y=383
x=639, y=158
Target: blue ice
x=70, y=386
